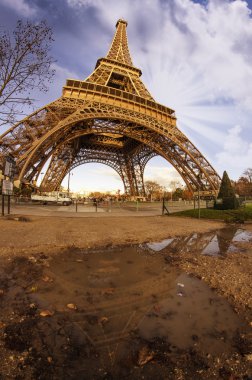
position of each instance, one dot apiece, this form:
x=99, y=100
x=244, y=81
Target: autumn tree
x=187, y=194
x=243, y=187
x=97, y=194
x=153, y=189
x=244, y=184
x=177, y=194
x=25, y=65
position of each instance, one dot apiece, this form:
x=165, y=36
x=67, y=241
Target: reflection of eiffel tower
x=213, y=242
x=109, y=118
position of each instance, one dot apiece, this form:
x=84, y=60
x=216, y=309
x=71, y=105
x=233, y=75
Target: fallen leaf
x=32, y=258
x=103, y=320
x=71, y=306
x=157, y=308
x=180, y=284
x=47, y=279
x=46, y=313
x=144, y=356
x=2, y=325
x=108, y=291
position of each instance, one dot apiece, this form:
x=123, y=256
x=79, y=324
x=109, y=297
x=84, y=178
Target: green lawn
x=241, y=214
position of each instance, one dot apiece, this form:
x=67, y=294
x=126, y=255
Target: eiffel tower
x=110, y=118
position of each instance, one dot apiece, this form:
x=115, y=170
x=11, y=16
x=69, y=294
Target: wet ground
x=122, y=313
x=216, y=243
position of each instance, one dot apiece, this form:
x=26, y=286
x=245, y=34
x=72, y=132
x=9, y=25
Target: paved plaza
x=103, y=209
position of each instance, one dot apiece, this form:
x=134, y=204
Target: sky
x=195, y=57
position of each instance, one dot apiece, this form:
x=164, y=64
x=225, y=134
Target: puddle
x=192, y=313
x=220, y=242
x=111, y=314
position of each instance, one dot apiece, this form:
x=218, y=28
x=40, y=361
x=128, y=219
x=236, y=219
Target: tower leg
x=58, y=168
x=132, y=174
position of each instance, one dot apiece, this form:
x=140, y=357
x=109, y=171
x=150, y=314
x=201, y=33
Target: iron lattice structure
x=110, y=118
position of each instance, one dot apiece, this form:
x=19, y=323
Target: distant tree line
x=156, y=192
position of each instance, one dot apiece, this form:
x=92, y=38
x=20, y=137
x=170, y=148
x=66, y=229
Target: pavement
x=105, y=210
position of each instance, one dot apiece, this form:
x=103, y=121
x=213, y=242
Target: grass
x=239, y=215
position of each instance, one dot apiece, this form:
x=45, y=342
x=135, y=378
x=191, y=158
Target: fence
x=26, y=206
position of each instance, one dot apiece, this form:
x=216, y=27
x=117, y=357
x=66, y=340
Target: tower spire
x=116, y=69
x=119, y=50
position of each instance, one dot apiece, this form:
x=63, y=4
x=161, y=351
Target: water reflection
x=214, y=243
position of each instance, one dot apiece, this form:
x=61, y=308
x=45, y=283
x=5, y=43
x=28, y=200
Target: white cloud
x=83, y=3
x=164, y=176
x=21, y=7
x=237, y=153
x=63, y=72
x=61, y=75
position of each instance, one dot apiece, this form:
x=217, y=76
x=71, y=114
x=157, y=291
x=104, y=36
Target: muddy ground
x=47, y=233
x=26, y=347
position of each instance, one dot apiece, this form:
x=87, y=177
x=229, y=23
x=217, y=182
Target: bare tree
x=25, y=65
x=248, y=174
x=152, y=188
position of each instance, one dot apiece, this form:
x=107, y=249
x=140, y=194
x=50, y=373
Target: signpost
x=203, y=194
x=7, y=181
x=206, y=193
x=10, y=166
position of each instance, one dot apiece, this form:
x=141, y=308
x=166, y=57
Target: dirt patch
x=42, y=233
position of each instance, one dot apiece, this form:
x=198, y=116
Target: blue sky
x=195, y=57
